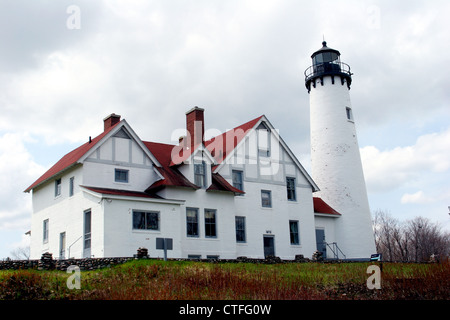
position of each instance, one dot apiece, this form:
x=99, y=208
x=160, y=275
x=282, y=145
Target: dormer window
x=200, y=174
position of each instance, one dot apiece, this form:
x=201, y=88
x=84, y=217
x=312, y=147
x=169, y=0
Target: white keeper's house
x=242, y=193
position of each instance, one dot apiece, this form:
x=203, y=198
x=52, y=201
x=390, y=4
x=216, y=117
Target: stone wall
x=19, y=264
x=47, y=263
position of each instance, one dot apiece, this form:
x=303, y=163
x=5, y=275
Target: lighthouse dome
x=326, y=62
x=325, y=54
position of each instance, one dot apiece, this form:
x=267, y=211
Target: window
x=263, y=140
x=266, y=198
x=290, y=186
x=237, y=179
x=45, y=231
x=87, y=229
x=293, y=231
x=200, y=174
x=62, y=245
x=121, y=175
x=192, y=222
x=71, y=186
x=349, y=113
x=240, y=229
x=57, y=187
x=210, y=223
x=145, y=220
x=318, y=59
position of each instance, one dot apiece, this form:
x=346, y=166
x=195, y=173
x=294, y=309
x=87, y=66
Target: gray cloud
x=152, y=61
x=29, y=30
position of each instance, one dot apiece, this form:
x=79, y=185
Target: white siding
x=122, y=240
x=224, y=245
x=65, y=214
x=102, y=175
x=112, y=228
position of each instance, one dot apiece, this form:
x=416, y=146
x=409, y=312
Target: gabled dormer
x=256, y=146
x=120, y=161
x=191, y=157
x=189, y=164
x=121, y=145
x=116, y=158
x=197, y=167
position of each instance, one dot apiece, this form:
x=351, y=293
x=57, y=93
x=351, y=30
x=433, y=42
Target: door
x=269, y=246
x=62, y=245
x=87, y=234
x=320, y=242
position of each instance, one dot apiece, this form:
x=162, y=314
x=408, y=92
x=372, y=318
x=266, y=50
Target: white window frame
x=145, y=212
x=293, y=189
x=45, y=230
x=58, y=183
x=264, y=136
x=291, y=233
x=120, y=171
x=214, y=224
x=269, y=192
x=238, y=184
x=71, y=186
x=200, y=177
x=243, y=230
x=196, y=222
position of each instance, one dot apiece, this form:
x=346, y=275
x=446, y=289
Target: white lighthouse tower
x=336, y=161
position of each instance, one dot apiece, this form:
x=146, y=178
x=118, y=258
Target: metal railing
x=335, y=249
x=73, y=244
x=327, y=68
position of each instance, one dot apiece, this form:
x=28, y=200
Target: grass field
x=188, y=280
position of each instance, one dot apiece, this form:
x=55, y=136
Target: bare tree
x=414, y=240
x=21, y=253
x=387, y=235
x=427, y=239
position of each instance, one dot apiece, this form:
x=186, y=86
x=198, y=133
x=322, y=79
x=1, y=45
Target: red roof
x=321, y=206
x=223, y=144
x=219, y=146
x=126, y=193
x=68, y=160
x=220, y=184
x=172, y=177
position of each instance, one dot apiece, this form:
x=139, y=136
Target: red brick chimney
x=110, y=121
x=195, y=126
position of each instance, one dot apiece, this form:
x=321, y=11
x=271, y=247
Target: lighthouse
x=335, y=157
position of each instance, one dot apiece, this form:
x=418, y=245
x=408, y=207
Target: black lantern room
x=327, y=62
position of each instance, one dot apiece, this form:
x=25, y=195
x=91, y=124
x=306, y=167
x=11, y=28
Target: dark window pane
x=152, y=221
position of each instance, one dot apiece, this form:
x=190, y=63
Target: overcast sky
x=65, y=65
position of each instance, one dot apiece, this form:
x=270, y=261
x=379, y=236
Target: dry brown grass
x=154, y=279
